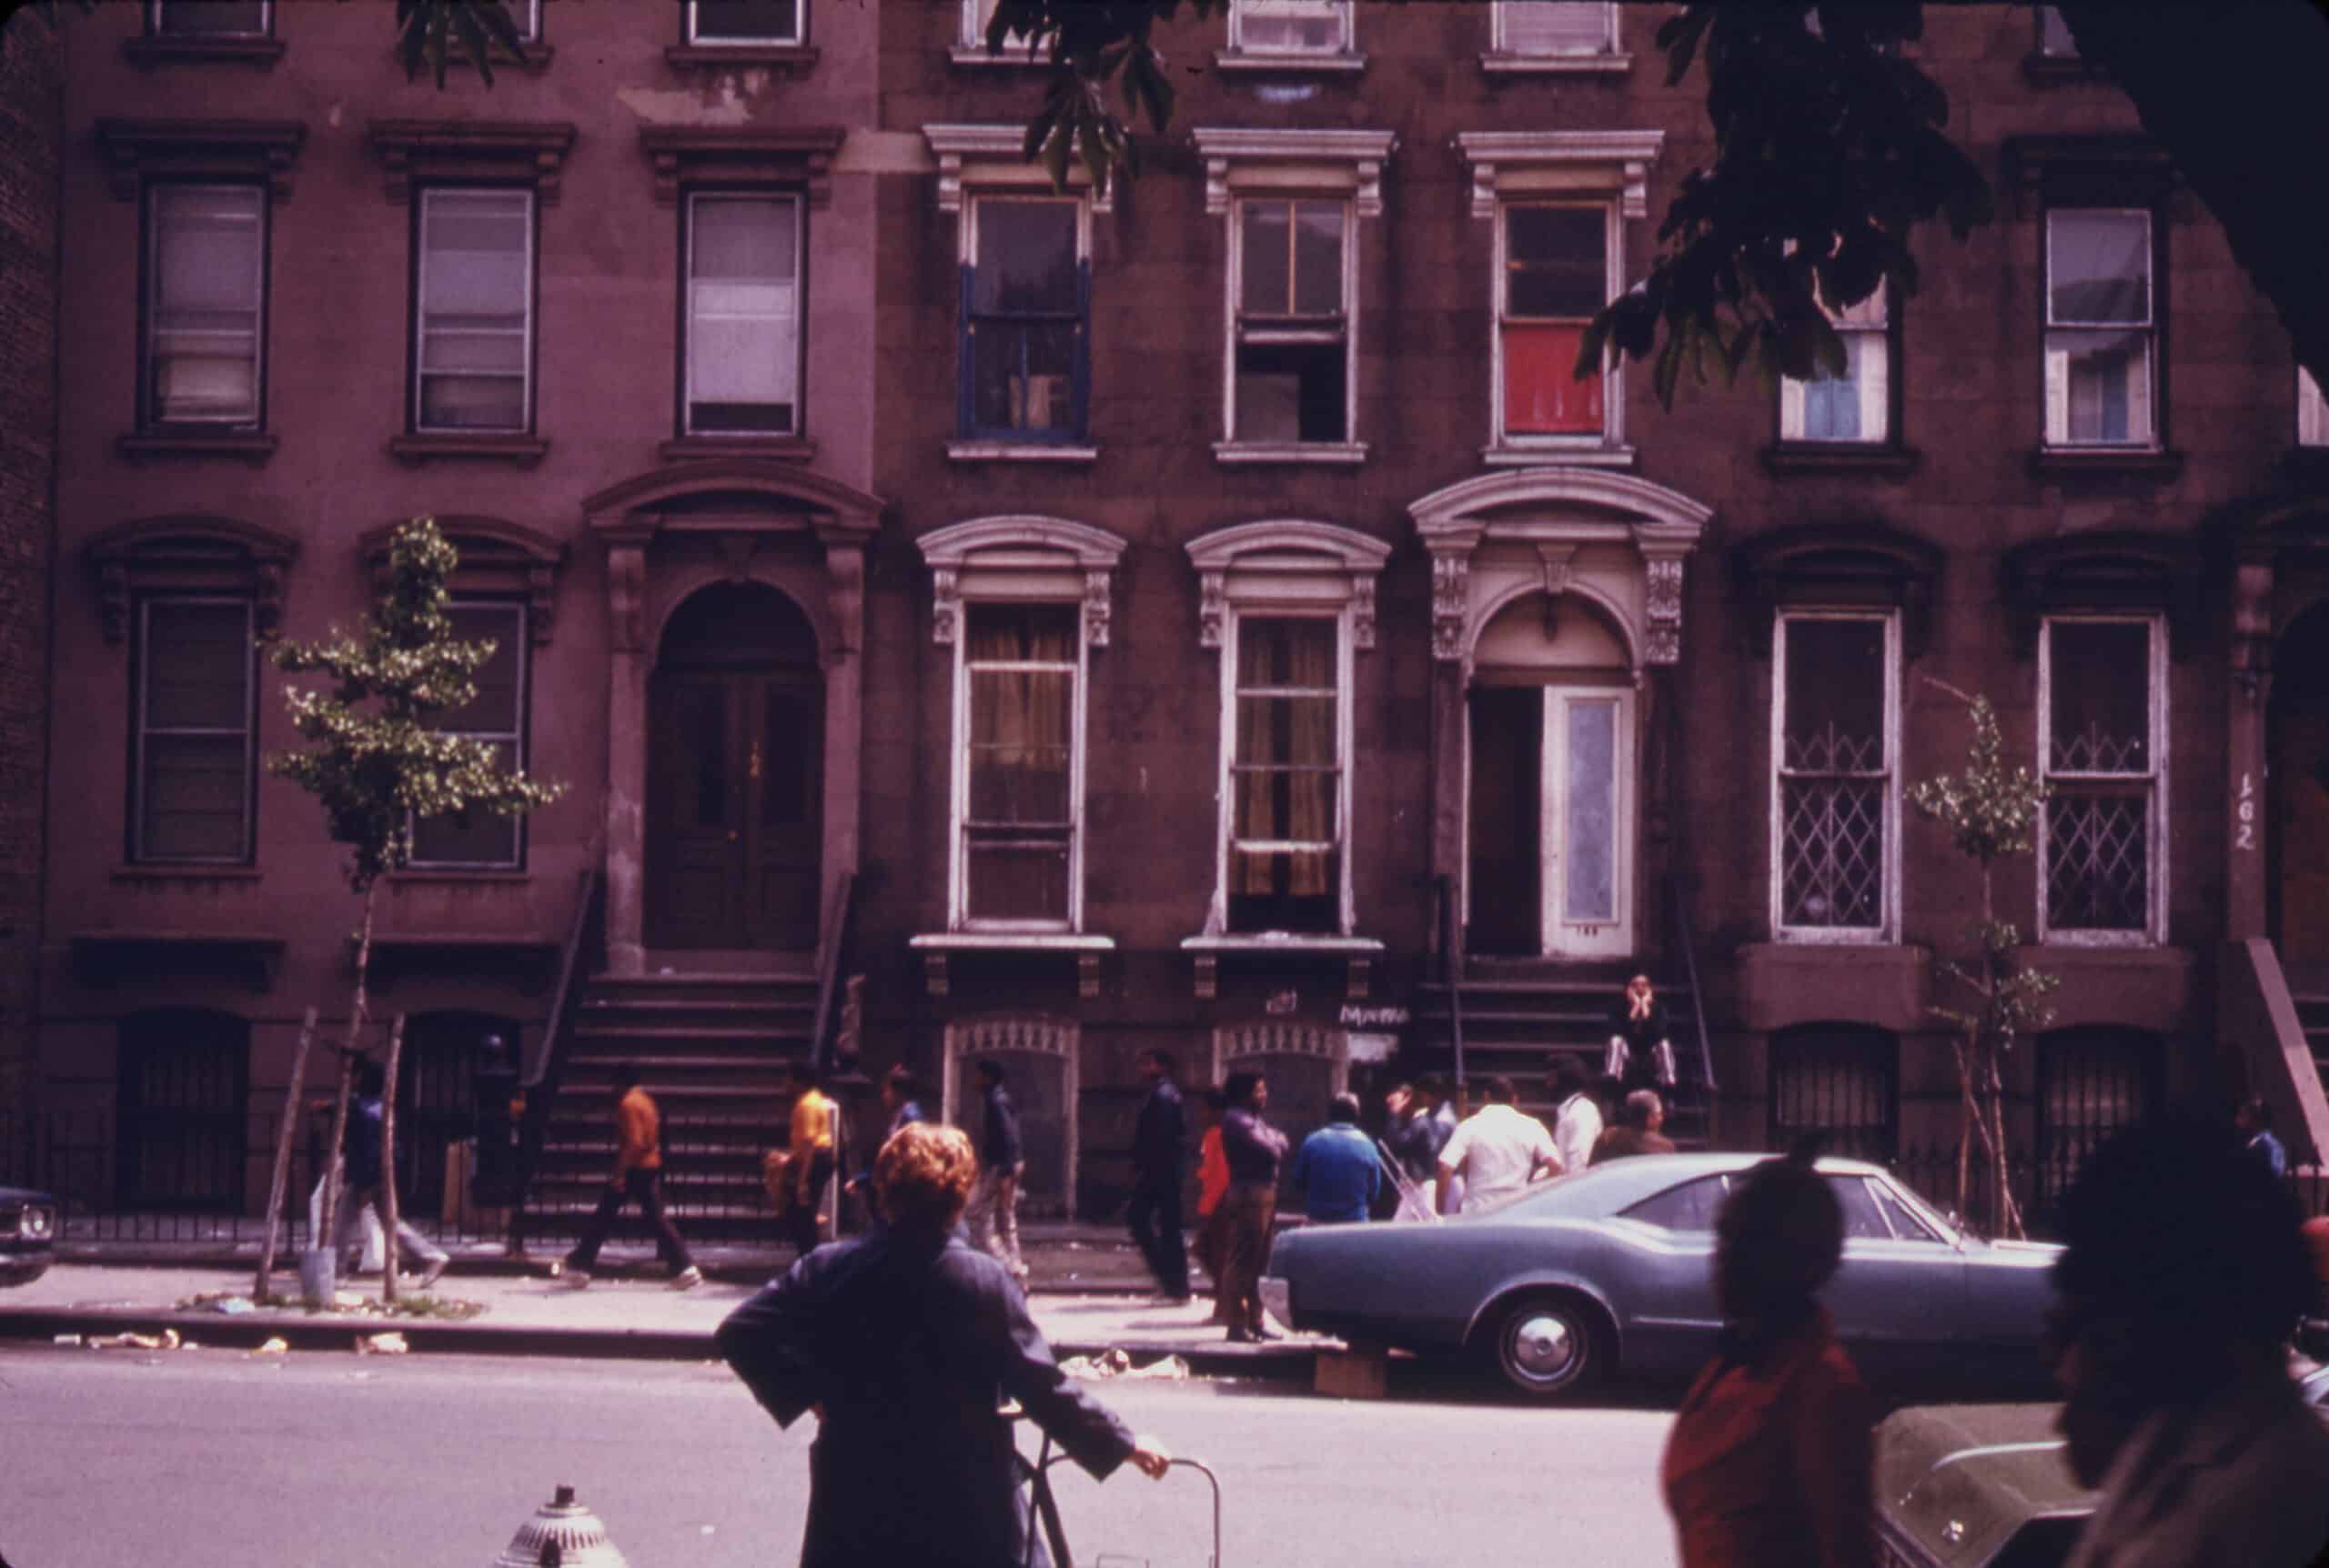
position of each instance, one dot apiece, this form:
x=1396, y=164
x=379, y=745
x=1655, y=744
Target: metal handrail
x=585, y=940
x=1451, y=965
x=829, y=966
x=1679, y=922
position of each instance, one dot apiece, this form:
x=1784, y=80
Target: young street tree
x=1990, y=813
x=375, y=761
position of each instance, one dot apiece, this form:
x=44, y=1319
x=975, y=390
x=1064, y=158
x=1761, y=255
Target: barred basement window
x=180, y=1111
x=497, y=716
x=1838, y=1081
x=193, y=768
x=1294, y=342
x=1835, y=807
x=2101, y=705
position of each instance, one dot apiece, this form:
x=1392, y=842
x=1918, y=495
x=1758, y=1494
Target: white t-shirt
x=1495, y=1150
x=1576, y=1129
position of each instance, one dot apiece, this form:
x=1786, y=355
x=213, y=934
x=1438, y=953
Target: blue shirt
x=2270, y=1151
x=1338, y=1173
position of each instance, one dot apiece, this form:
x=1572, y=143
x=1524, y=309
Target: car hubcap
x=1544, y=1348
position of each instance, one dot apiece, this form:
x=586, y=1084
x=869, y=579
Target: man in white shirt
x=1496, y=1149
x=1577, y=1126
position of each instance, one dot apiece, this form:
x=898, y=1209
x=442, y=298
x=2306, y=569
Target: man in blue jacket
x=1336, y=1169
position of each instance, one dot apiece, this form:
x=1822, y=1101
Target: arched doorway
x=2297, y=784
x=735, y=774
x=1551, y=716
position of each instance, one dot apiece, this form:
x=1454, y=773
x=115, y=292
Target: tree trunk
x=1965, y=1115
x=347, y=1053
x=282, y=1155
x=389, y=1211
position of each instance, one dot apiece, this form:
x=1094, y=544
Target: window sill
x=1358, y=953
x=481, y=875
x=2053, y=70
x=937, y=948
x=1559, y=457
x=1021, y=452
x=1557, y=64
x=2105, y=463
x=183, y=872
x=1324, y=454
x=1289, y=64
x=781, y=449
x=2095, y=942
x=253, y=446
x=146, y=53
x=792, y=58
x=1873, y=461
x=976, y=57
x=421, y=448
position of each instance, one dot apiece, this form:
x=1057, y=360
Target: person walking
x=1496, y=1151
x=901, y=1097
x=1338, y=1170
x=2183, y=1271
x=1771, y=1462
x=1640, y=1054
x=1577, y=1121
x=904, y=1343
x=638, y=1178
x=808, y=1159
x=1213, y=1186
x=1158, y=1157
x=1417, y=1131
x=995, y=1202
x=1253, y=1151
x=1636, y=1131
x=368, y=1174
x=2254, y=1120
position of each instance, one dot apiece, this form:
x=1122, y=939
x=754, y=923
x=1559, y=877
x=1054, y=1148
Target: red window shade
x=1542, y=395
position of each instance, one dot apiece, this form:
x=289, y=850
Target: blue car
x=1610, y=1269
x=27, y=1235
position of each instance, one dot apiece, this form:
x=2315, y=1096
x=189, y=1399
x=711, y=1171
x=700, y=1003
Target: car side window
x=1863, y=1221
x=1691, y=1207
x=1905, y=1224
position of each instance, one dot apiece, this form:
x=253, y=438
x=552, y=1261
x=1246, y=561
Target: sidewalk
x=634, y=1314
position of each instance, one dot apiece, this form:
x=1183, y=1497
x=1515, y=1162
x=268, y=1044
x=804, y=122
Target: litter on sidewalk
x=1117, y=1363
x=167, y=1340
x=381, y=1345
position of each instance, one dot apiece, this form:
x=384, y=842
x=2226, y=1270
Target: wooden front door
x=735, y=775
x=2298, y=790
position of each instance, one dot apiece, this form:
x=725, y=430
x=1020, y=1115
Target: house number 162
x=2244, y=833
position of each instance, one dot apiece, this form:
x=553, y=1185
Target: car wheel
x=1548, y=1346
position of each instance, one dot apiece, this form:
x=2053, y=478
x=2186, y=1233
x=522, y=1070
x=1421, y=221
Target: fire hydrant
x=563, y=1533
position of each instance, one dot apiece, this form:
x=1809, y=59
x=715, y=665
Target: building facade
x=1202, y=615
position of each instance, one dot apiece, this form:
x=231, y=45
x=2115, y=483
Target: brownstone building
x=1204, y=614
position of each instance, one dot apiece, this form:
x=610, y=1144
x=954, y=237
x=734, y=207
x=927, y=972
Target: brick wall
x=31, y=124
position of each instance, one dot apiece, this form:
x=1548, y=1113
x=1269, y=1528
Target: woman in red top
x=1771, y=1462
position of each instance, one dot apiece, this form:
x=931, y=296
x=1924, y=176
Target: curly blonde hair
x=924, y=1175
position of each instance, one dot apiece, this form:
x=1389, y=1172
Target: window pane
x=1863, y=1221
x=475, y=245
x=1021, y=634
x=1555, y=28
x=1307, y=26
x=756, y=20
x=742, y=351
x=1689, y=1208
x=2098, y=267
x=205, y=310
x=1835, y=697
x=1022, y=879
x=495, y=710
x=1265, y=259
x=1319, y=258
x=1590, y=834
x=1557, y=262
x=1023, y=376
x=473, y=403
x=1542, y=395
x=1026, y=256
x=1286, y=652
x=2098, y=857
x=197, y=666
x=2099, y=693
x=1906, y=1225
x=742, y=240
x=1022, y=733
x=2098, y=387
x=193, y=17
x=1847, y=408
x=476, y=837
x=2053, y=33
x=2312, y=412
x=1292, y=391
x=196, y=791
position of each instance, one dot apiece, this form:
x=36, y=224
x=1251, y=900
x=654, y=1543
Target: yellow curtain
x=1281, y=738
x=1020, y=719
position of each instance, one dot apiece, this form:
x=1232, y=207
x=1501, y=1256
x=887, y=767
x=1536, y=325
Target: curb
x=249, y=1330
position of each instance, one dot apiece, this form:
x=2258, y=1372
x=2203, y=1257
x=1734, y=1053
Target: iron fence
x=1931, y=1168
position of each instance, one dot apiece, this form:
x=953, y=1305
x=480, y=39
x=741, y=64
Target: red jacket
x=1772, y=1465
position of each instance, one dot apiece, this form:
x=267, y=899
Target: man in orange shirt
x=638, y=1178
x=809, y=1160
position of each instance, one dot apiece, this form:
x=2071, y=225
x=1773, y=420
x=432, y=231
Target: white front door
x=1589, y=822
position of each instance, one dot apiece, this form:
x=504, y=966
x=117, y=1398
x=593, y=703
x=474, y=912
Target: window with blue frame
x=1025, y=321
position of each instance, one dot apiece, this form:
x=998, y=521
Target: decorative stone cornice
x=2106, y=569
x=776, y=157
x=1346, y=162
x=2133, y=170
x=1082, y=557
x=189, y=552
x=1834, y=565
x=1250, y=555
x=1614, y=161
x=981, y=156
x=495, y=557
x=259, y=150
x=533, y=151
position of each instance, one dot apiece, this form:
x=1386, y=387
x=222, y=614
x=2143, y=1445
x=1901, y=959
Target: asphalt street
x=205, y=1457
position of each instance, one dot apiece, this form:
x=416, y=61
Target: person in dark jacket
x=904, y=1343
x=995, y=1202
x=1636, y=1131
x=1158, y=1142
x=367, y=1175
x=1255, y=1151
x=901, y=1099
x=1642, y=1052
x=1418, y=1131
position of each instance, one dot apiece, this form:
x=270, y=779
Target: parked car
x=27, y=1235
x=1976, y=1486
x=1610, y=1269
